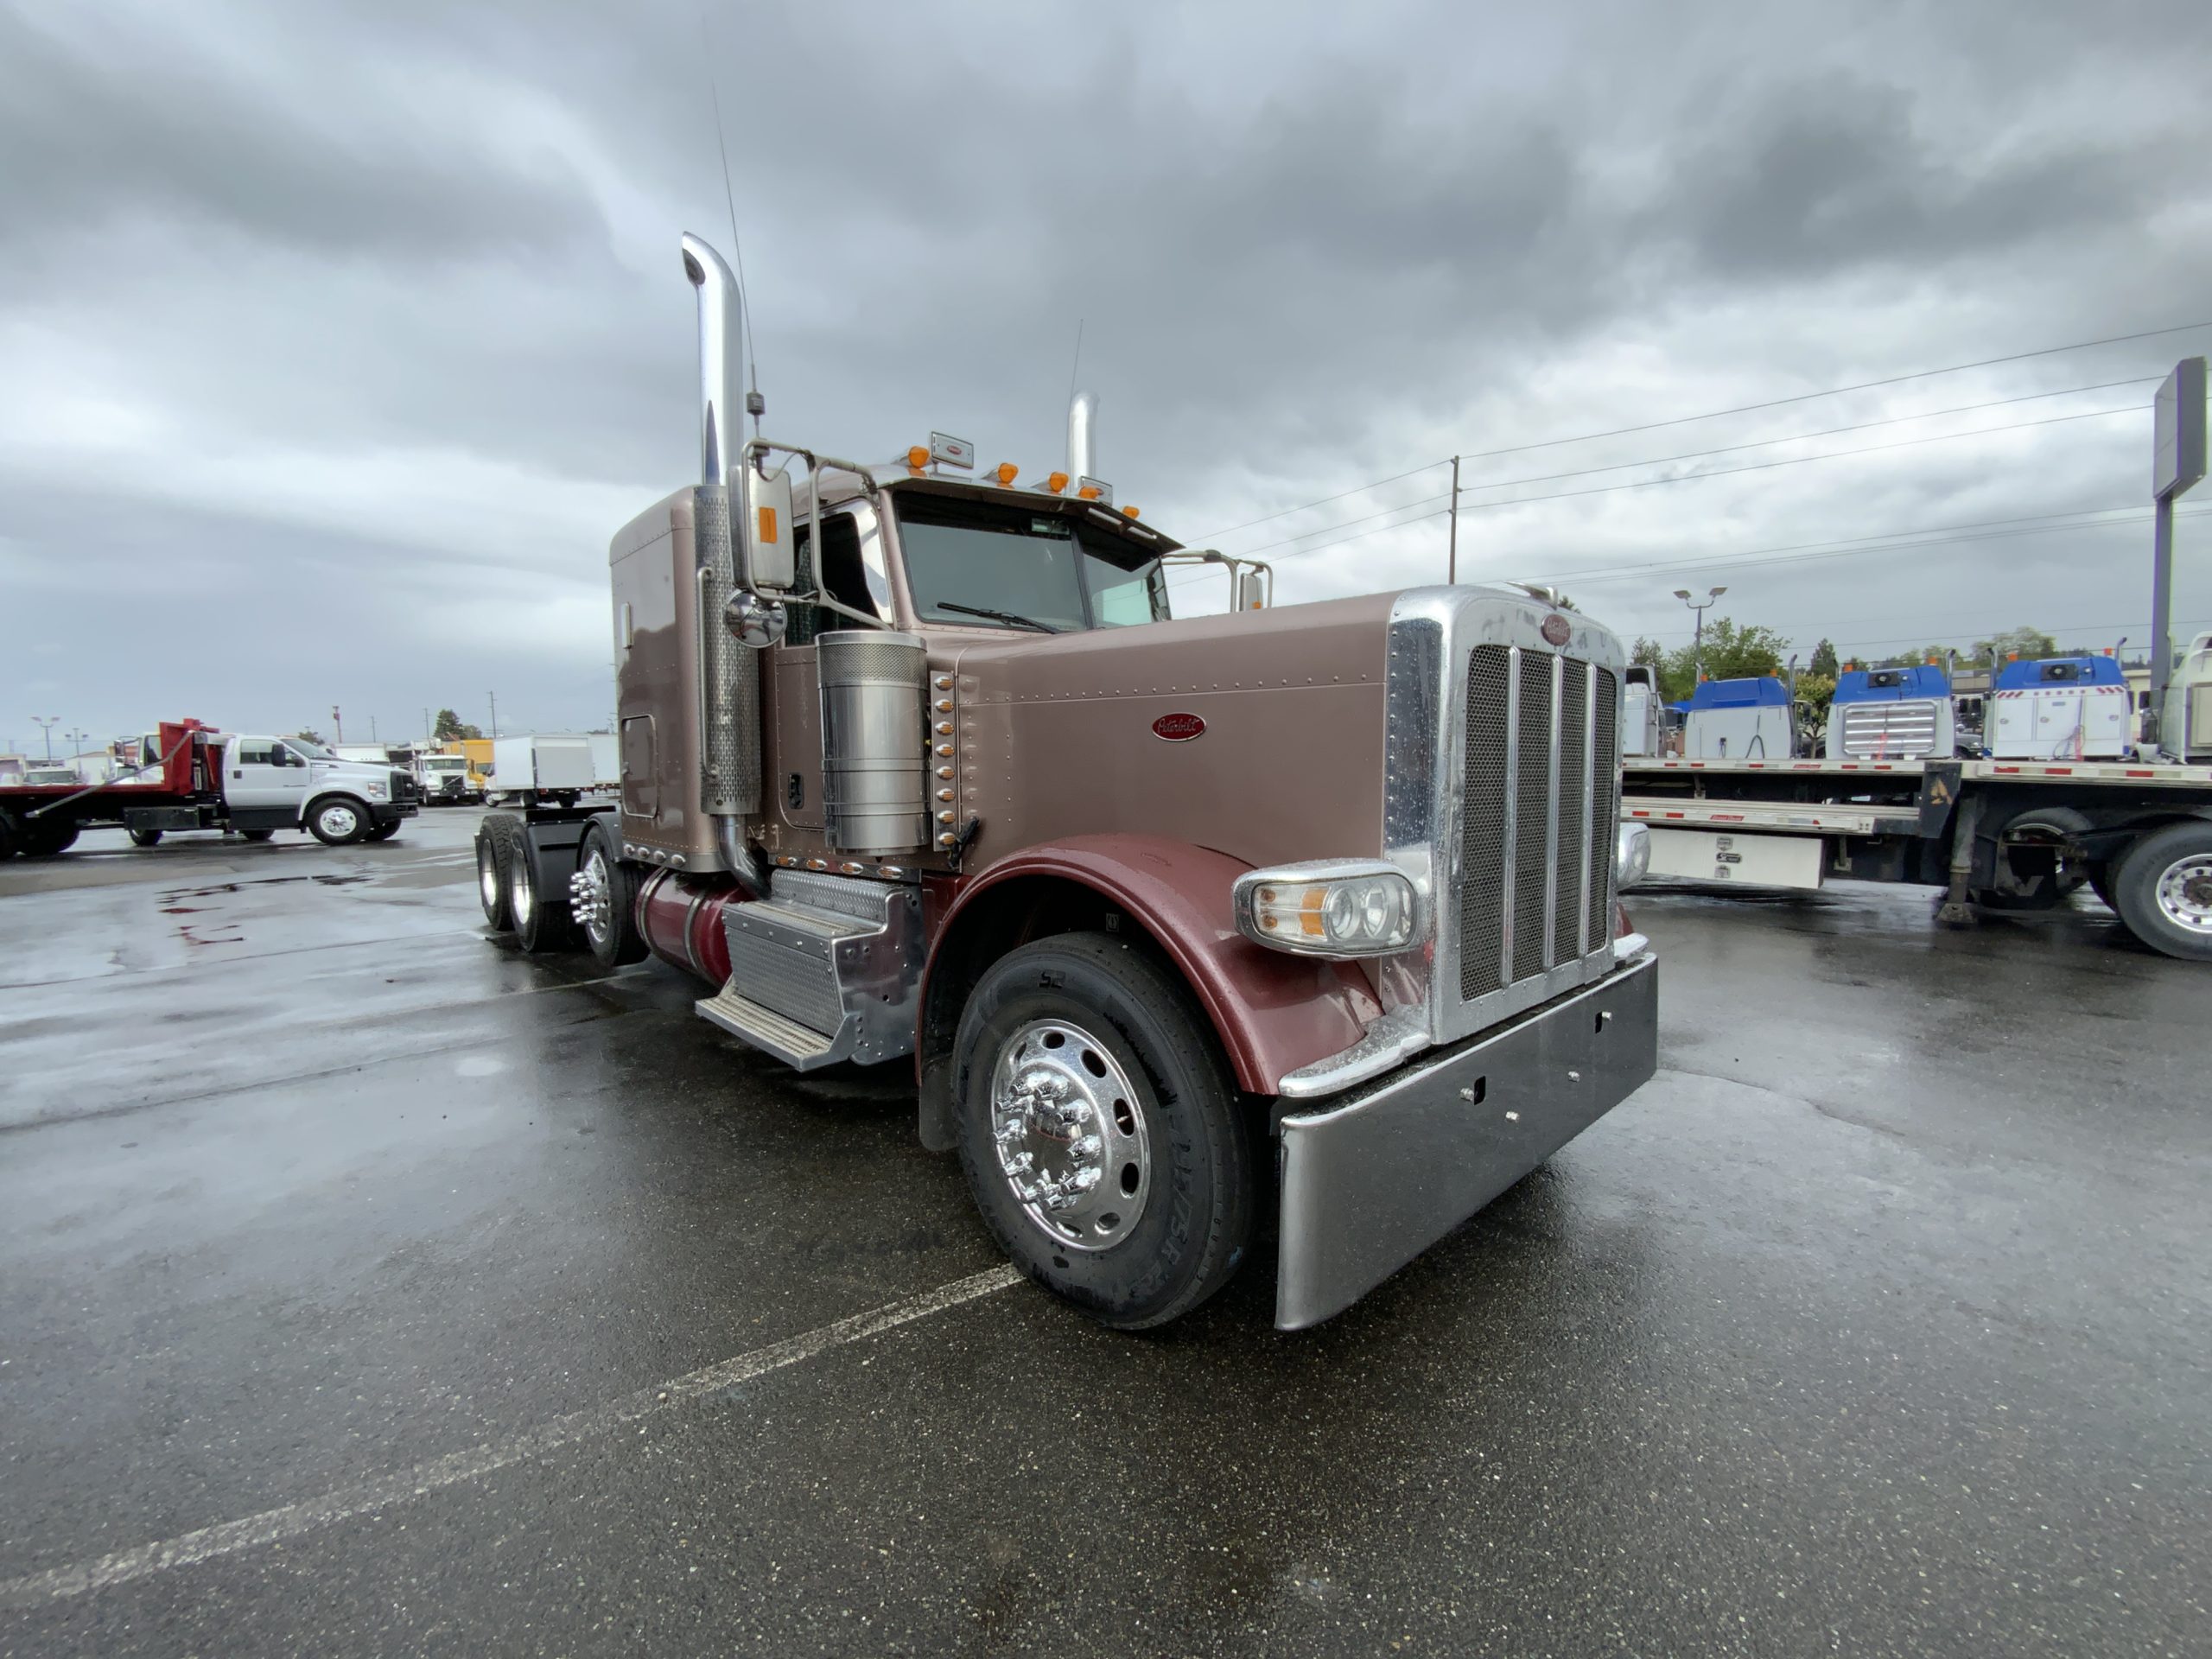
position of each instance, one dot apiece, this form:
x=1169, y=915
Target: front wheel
x=2162, y=888
x=1099, y=1130
x=145, y=837
x=337, y=822
x=257, y=835
x=384, y=831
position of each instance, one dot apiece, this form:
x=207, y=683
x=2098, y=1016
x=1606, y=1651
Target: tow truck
x=193, y=777
x=915, y=768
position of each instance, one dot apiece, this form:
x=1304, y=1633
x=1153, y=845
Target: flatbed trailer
x=1995, y=834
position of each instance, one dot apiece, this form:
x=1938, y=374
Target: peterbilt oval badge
x=1178, y=727
x=1556, y=628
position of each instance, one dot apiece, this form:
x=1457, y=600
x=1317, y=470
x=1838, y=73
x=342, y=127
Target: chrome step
x=787, y=1039
x=825, y=969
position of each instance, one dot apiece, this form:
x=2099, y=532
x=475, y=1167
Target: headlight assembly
x=1334, y=907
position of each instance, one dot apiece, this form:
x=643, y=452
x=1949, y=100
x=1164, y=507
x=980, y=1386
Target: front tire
x=257, y=835
x=384, y=831
x=603, y=901
x=338, y=821
x=1099, y=1130
x=145, y=837
x=2162, y=888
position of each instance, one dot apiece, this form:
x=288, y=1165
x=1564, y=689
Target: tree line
x=1736, y=650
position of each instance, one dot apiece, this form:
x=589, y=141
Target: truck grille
x=1879, y=731
x=1536, y=826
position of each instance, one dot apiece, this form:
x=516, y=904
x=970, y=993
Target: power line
x=1825, y=432
x=1362, y=490
x=1834, y=391
x=1799, y=461
x=1646, y=483
x=1747, y=409
x=1891, y=541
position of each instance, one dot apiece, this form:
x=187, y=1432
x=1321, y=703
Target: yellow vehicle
x=479, y=752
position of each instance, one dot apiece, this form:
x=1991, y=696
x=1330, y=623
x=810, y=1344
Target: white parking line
x=366, y=1496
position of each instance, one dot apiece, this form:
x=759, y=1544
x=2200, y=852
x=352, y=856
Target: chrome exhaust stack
x=729, y=675
x=1082, y=424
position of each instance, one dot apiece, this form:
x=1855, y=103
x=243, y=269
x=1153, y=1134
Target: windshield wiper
x=998, y=616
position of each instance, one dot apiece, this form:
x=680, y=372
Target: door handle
x=237, y=774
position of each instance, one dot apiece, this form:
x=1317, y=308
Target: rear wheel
x=1099, y=1130
x=603, y=901
x=384, y=831
x=2163, y=890
x=540, y=925
x=257, y=835
x=44, y=837
x=491, y=876
x=2101, y=881
x=338, y=821
x=145, y=837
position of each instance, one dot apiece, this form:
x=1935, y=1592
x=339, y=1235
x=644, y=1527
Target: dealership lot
x=366, y=1287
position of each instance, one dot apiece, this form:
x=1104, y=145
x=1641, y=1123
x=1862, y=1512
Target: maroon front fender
x=1273, y=1013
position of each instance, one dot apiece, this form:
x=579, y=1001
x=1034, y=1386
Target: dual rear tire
x=2162, y=887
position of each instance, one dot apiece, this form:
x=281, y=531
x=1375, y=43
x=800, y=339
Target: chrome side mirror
x=755, y=622
x=1633, y=861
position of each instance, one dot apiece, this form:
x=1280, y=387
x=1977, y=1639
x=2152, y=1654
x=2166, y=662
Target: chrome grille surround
x=1500, y=797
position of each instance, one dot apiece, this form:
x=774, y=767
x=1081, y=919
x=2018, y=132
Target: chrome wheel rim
x=591, y=898
x=520, y=899
x=2185, y=894
x=338, y=821
x=487, y=880
x=1071, y=1136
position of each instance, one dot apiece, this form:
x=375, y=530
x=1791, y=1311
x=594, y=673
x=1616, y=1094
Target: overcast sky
x=335, y=342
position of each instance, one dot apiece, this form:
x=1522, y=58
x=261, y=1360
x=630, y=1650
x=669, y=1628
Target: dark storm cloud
x=103, y=124
x=377, y=311
x=1837, y=172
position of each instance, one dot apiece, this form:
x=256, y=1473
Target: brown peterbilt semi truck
x=917, y=768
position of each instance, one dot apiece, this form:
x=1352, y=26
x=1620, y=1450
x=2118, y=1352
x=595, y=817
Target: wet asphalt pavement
x=362, y=1268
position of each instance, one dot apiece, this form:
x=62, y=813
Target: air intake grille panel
x=1482, y=887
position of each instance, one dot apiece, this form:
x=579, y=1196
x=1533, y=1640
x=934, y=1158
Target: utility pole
x=48, y=723
x=1697, y=649
x=2176, y=462
x=76, y=742
x=1452, y=561
x=337, y=724
x=372, y=729
x=494, y=697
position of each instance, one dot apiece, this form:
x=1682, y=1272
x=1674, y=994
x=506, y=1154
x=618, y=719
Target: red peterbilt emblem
x=1178, y=727
x=1556, y=628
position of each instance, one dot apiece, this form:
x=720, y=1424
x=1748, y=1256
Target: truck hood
x=1259, y=734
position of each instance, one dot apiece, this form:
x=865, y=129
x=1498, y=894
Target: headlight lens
x=1635, y=860
x=1336, y=908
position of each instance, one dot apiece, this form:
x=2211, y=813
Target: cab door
x=264, y=783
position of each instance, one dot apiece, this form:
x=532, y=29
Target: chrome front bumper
x=1380, y=1174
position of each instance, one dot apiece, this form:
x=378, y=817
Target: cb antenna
x=755, y=405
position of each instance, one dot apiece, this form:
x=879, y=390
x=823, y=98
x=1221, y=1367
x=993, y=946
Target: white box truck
x=541, y=768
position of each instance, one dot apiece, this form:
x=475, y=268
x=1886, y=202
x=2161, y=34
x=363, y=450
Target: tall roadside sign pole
x=2176, y=462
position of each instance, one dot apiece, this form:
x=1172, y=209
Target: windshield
x=445, y=763
x=1022, y=566
x=309, y=747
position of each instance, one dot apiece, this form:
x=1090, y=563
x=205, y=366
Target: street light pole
x=1452, y=558
x=1697, y=647
x=76, y=742
x=48, y=722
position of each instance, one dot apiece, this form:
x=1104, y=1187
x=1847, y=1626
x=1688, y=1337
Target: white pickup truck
x=262, y=785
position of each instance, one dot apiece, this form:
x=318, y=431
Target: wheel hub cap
x=590, y=900
x=1071, y=1136
x=487, y=877
x=338, y=820
x=2185, y=893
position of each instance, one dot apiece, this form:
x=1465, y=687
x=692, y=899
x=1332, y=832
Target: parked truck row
x=915, y=768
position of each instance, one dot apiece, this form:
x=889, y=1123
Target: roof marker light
x=1055, y=482
x=1129, y=512
x=918, y=457
x=1005, y=472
